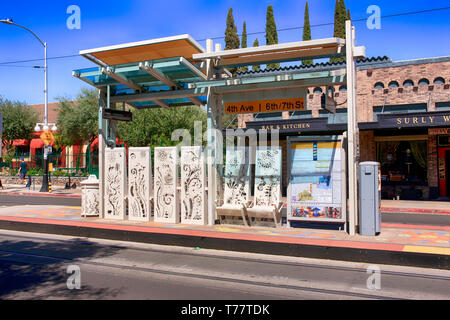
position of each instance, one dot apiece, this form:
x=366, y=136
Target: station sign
x=274, y=105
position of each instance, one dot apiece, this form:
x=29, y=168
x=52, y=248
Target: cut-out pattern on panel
x=268, y=176
x=237, y=176
x=166, y=181
x=139, y=184
x=193, y=210
x=90, y=202
x=115, y=183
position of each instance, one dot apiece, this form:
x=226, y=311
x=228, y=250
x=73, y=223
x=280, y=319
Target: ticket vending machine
x=369, y=198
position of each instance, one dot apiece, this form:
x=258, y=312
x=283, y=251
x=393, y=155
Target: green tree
x=340, y=16
x=231, y=37
x=256, y=67
x=18, y=122
x=154, y=127
x=78, y=120
x=271, y=33
x=244, y=45
x=307, y=32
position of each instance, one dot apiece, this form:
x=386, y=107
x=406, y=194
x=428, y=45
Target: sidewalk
x=387, y=206
x=57, y=191
x=402, y=206
x=419, y=246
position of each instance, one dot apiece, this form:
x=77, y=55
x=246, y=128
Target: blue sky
x=113, y=22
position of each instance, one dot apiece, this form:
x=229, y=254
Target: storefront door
x=444, y=172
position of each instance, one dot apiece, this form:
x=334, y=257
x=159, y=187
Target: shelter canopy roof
x=161, y=48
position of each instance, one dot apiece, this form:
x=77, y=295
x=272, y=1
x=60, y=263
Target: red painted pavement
x=414, y=226
x=216, y=234
x=414, y=210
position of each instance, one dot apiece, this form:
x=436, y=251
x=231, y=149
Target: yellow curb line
x=422, y=249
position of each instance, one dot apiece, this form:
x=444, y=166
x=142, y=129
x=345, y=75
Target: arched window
x=379, y=85
x=424, y=82
x=343, y=89
x=408, y=83
x=393, y=85
x=439, y=80
x=317, y=90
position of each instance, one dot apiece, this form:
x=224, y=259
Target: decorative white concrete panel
x=115, y=183
x=139, y=184
x=165, y=185
x=268, y=168
x=237, y=176
x=90, y=197
x=193, y=196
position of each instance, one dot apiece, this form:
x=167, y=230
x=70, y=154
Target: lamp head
x=37, y=128
x=54, y=128
x=7, y=21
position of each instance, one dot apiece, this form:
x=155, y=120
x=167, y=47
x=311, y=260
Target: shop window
x=22, y=151
x=317, y=90
x=268, y=116
x=301, y=115
x=408, y=83
x=379, y=85
x=424, y=82
x=443, y=106
x=403, y=168
x=393, y=85
x=439, y=80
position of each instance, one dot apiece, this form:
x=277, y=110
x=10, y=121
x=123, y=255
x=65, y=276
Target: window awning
x=38, y=143
x=20, y=142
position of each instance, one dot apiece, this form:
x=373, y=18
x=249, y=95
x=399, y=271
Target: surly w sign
x=422, y=119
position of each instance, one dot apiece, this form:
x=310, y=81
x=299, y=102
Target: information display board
x=317, y=179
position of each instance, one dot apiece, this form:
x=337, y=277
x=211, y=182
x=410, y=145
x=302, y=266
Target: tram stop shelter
x=177, y=71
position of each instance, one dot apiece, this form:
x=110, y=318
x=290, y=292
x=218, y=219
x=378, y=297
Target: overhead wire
x=251, y=33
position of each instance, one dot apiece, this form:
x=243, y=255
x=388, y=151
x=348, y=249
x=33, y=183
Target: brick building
x=403, y=118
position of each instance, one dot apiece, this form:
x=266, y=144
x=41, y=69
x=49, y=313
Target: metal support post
x=352, y=130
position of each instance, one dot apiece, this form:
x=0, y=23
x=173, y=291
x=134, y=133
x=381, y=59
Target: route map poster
x=316, y=180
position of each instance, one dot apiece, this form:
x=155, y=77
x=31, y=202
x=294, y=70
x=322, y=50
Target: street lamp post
x=44, y=187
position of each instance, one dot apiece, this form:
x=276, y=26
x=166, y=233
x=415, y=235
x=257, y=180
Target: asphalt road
x=402, y=218
x=16, y=200
x=35, y=266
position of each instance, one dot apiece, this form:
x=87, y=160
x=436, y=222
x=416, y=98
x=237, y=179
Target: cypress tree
x=231, y=36
x=340, y=16
x=244, y=44
x=271, y=33
x=256, y=67
x=348, y=15
x=307, y=32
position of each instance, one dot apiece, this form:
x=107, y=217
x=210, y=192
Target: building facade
x=403, y=112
